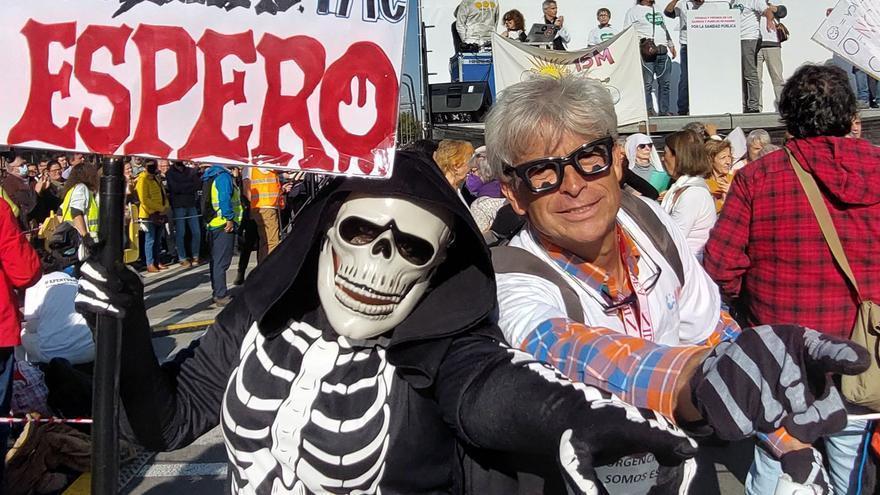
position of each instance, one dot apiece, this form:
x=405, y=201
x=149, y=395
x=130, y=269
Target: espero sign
x=309, y=84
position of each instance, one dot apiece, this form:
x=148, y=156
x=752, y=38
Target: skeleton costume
x=312, y=400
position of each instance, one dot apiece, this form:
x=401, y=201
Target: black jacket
x=183, y=186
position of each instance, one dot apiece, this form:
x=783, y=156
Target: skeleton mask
x=376, y=262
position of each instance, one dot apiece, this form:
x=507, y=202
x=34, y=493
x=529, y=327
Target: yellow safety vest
x=265, y=189
x=91, y=212
x=218, y=221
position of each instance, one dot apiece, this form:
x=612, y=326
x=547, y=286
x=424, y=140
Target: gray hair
x=547, y=3
x=546, y=108
x=759, y=136
x=767, y=149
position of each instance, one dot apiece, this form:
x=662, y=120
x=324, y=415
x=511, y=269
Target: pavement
x=180, y=308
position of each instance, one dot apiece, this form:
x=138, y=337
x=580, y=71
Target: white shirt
x=600, y=35
x=52, y=327
x=750, y=11
x=680, y=315
x=476, y=20
x=79, y=198
x=691, y=206
x=768, y=36
x=682, y=14
x=641, y=15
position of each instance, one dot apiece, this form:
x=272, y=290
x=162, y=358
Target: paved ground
x=179, y=301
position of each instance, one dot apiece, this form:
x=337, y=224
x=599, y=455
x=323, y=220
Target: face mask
x=376, y=262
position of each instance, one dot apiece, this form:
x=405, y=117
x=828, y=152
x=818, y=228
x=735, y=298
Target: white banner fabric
x=615, y=63
x=310, y=85
x=852, y=30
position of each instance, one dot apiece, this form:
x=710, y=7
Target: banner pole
x=105, y=387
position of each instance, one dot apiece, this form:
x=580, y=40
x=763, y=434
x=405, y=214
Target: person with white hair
x=756, y=141
x=602, y=285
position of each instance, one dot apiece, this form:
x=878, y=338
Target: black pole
x=105, y=387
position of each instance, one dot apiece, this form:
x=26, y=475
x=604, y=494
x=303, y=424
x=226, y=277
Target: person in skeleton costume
x=362, y=358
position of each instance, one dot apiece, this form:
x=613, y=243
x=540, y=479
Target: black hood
x=462, y=291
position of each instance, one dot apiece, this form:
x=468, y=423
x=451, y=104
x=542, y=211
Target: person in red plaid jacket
x=767, y=253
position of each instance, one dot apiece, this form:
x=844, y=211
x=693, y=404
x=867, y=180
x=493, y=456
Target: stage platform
x=660, y=126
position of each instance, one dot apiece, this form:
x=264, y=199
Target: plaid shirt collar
x=595, y=277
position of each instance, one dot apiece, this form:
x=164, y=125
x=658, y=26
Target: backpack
x=208, y=212
x=509, y=259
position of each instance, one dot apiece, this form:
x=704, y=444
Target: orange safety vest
x=265, y=189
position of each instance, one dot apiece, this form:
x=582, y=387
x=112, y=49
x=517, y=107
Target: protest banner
x=852, y=30
x=714, y=30
x=616, y=63
x=307, y=84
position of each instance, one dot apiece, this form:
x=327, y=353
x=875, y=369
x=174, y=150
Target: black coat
x=183, y=186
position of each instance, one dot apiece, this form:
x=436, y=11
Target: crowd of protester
x=762, y=35
x=730, y=210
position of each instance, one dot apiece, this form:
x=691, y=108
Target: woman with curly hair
x=453, y=156
x=514, y=25
x=80, y=205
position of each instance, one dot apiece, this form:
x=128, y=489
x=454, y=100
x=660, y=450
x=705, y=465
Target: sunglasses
x=646, y=146
x=591, y=160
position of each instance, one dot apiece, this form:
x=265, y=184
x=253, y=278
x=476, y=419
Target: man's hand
x=672, y=49
x=230, y=226
x=776, y=376
x=559, y=21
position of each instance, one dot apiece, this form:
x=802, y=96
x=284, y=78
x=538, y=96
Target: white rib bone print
x=294, y=440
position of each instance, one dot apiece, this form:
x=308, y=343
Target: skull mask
x=376, y=262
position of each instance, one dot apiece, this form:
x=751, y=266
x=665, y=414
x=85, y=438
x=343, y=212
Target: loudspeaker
x=460, y=102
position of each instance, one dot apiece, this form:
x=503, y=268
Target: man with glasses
x=602, y=284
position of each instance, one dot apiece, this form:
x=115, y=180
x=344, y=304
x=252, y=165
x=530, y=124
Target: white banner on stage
x=714, y=62
x=616, y=63
x=258, y=81
x=852, y=30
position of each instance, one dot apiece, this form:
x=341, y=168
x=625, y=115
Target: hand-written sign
x=230, y=81
x=852, y=30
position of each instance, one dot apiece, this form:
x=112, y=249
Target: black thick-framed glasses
x=591, y=160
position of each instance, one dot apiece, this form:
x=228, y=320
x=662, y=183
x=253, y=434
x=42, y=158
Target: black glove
x=805, y=466
x=116, y=292
x=776, y=376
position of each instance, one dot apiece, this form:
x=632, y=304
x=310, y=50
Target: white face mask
x=376, y=262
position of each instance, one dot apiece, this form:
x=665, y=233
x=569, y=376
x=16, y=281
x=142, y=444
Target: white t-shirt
x=52, y=327
x=750, y=10
x=641, y=16
x=600, y=35
x=79, y=198
x=681, y=13
x=769, y=37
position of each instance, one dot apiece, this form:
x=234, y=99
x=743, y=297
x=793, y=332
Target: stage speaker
x=460, y=102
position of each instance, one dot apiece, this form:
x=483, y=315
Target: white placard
x=256, y=81
x=713, y=42
x=616, y=63
x=852, y=30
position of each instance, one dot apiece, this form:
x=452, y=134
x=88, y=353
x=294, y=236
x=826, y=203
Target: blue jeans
x=183, y=218
x=221, y=257
x=865, y=86
x=683, y=93
x=661, y=68
x=844, y=452
x=152, y=242
x=7, y=363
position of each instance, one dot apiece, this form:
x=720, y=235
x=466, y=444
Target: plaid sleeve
x=724, y=257
x=726, y=330
x=781, y=442
x=640, y=372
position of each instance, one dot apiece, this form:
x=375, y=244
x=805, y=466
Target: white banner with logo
x=852, y=30
x=241, y=81
x=615, y=63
